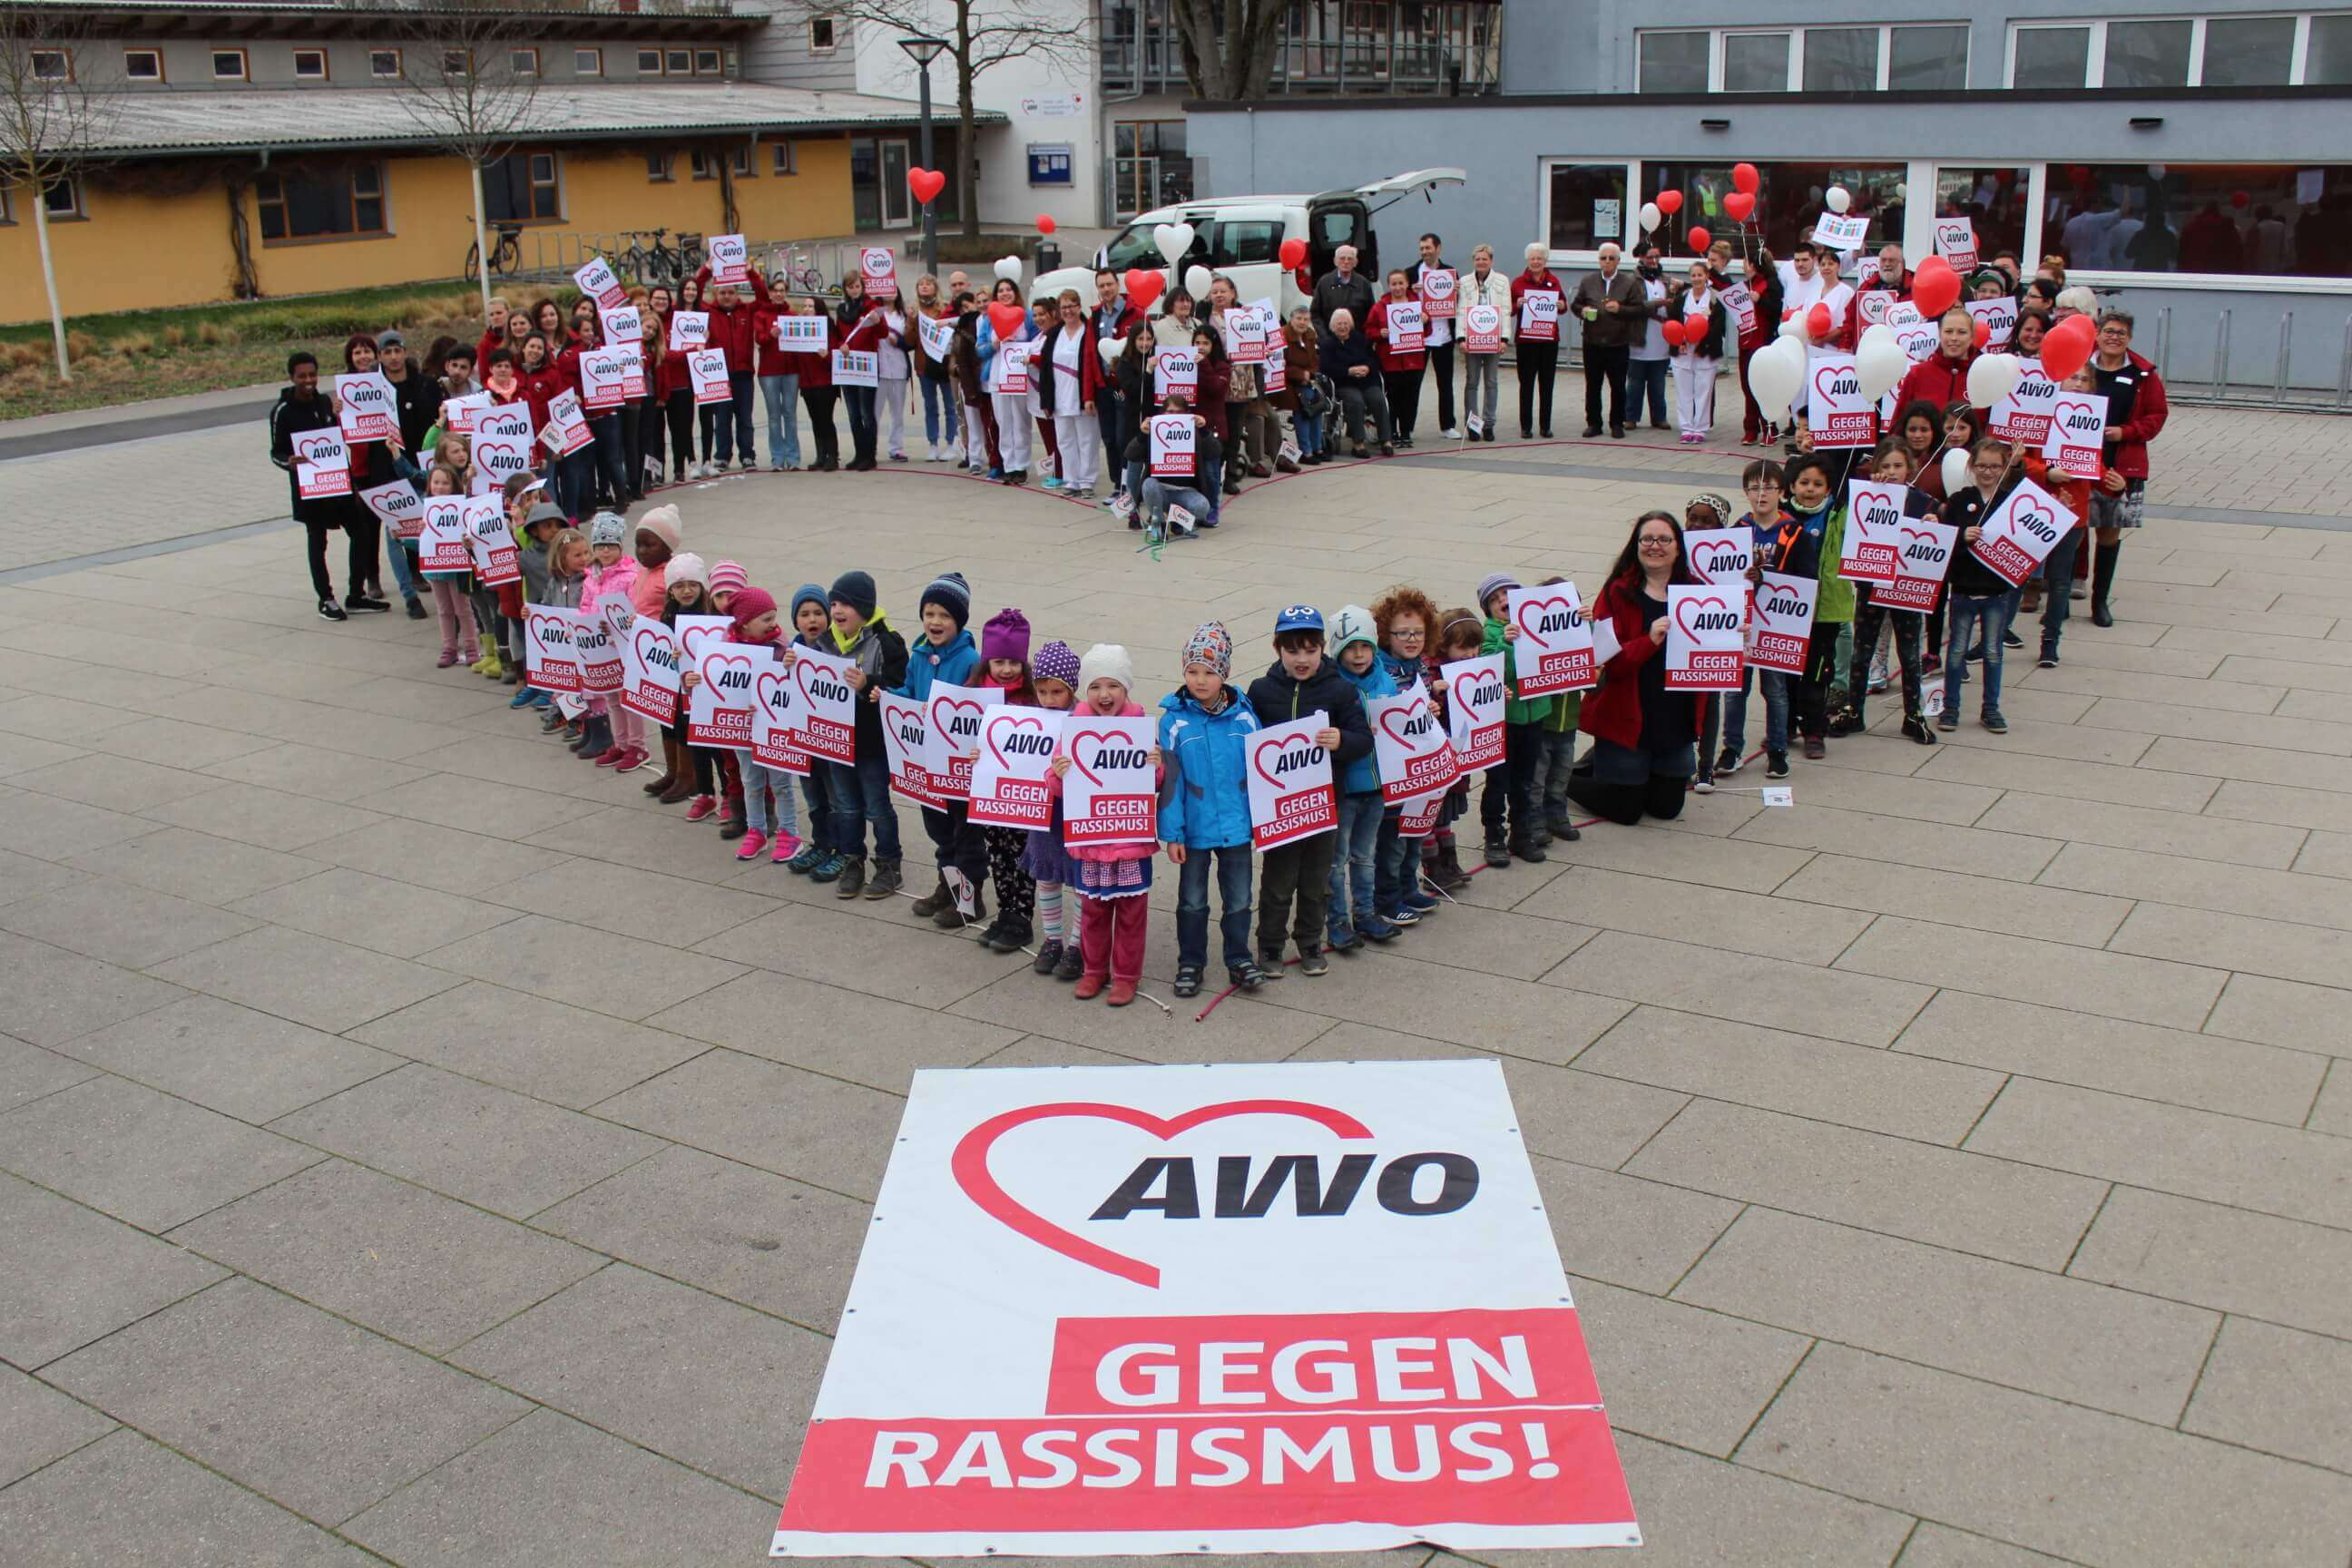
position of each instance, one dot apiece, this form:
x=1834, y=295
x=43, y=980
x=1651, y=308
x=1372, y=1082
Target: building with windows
x=257, y=146
x=2186, y=159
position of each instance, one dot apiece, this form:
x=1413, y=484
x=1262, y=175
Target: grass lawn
x=139, y=355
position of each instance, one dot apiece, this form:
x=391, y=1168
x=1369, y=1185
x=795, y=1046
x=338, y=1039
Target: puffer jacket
x=1209, y=806
x=1280, y=698
x=953, y=664
x=617, y=581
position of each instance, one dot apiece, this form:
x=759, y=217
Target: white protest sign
x=1175, y=371
x=1011, y=784
x=1554, y=651
x=688, y=330
x=773, y=700
x=904, y=739
x=1740, y=304
x=1418, y=818
x=1245, y=336
x=698, y=634
x=1482, y=330
x=459, y=414
x=1013, y=366
x=1841, y=231
x=1956, y=242
x=1110, y=795
x=1291, y=794
x=490, y=541
x=1540, y=317
x=1174, y=442
x=2024, y=414
x=652, y=664
x=718, y=709
x=939, y=336
x=1705, y=637
x=601, y=671
x=1276, y=372
x=2020, y=531
x=366, y=408
x=1872, y=304
x=622, y=326
x=397, y=505
x=706, y=370
x=1408, y=328
x=1439, y=295
x=1721, y=556
x=1873, y=516
x=596, y=280
x=605, y=378
x=2077, y=442
x=731, y=260
x=1916, y=338
x=1475, y=695
x=952, y=714
x=1837, y=413
x=444, y=548
x=567, y=423
x=1042, y=1346
x=880, y=270
x=1409, y=747
x=550, y=664
x=1903, y=313
x=856, y=367
x=1782, y=628
x=802, y=334
x=502, y=443
x=1920, y=565
x=1998, y=319
x=322, y=465
x=826, y=719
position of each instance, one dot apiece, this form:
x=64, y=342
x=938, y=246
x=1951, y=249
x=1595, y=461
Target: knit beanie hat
x=607, y=528
x=1106, y=661
x=664, y=523
x=748, y=605
x=1488, y=583
x=1055, y=661
x=688, y=569
x=855, y=589
x=728, y=576
x=810, y=593
x=1355, y=625
x=951, y=593
x=1213, y=645
x=1006, y=636
x=1713, y=503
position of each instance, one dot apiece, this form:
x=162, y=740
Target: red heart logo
x=969, y=1166
x=1709, y=552
x=495, y=454
x=717, y=659
x=803, y=667
x=953, y=703
x=695, y=640
x=1418, y=708
x=542, y=624
x=1825, y=383
x=648, y=637
x=1000, y=725
x=1529, y=632
x=1692, y=604
x=766, y=688
x=1258, y=760
x=1868, y=498
x=1473, y=677
x=1071, y=746
x=2058, y=410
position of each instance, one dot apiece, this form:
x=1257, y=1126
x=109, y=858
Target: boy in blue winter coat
x=1204, y=730
x=1303, y=680
x=1356, y=921
x=945, y=654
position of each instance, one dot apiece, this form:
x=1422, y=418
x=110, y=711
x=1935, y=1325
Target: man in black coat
x=301, y=408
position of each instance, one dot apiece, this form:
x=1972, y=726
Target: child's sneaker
x=522, y=698
x=1371, y=928
x=1342, y=940
x=1776, y=765
x=1727, y=762
x=1498, y=856
x=788, y=844
x=1400, y=915
x=1073, y=965
x=1992, y=720
x=1247, y=975
x=1420, y=903
x=826, y=868
x=1313, y=964
x=753, y=842
x=700, y=806
x=805, y=862
x=1188, y=979
x=631, y=760
x=1049, y=958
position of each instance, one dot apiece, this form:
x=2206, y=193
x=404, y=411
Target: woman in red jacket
x=1942, y=378
x=1401, y=369
x=2136, y=407
x=1645, y=737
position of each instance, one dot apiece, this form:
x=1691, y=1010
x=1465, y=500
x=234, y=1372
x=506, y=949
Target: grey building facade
x=2191, y=163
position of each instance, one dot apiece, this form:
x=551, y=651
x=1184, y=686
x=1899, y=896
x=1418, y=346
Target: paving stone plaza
x=416, y=1147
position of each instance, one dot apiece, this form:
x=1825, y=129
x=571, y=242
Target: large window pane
x=1929, y=59
x=2147, y=54
x=1756, y=62
x=1787, y=202
x=1588, y=206
x=2052, y=57
x=2249, y=51
x=2273, y=219
x=1994, y=202
x=1840, y=59
x=1674, y=62
x=2328, y=61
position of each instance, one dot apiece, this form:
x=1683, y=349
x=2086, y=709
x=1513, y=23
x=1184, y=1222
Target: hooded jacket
x=1208, y=806
x=954, y=663
x=290, y=418
x=1363, y=776
x=1279, y=699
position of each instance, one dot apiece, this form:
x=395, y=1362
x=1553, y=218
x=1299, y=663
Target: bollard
x=2222, y=356
x=2286, y=353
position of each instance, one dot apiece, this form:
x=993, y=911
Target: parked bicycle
x=659, y=262
x=799, y=271
x=506, y=253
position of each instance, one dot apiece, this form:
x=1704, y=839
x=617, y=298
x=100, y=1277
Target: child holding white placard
x=1507, y=807
x=612, y=574
x=1205, y=729
x=1981, y=598
x=1116, y=880
x=816, y=859
x=757, y=624
x=946, y=655
x=1354, y=920
x=1005, y=666
x=1407, y=624
x=1053, y=677
x=1302, y=681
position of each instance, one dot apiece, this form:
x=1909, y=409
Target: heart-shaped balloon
x=1992, y=378
x=926, y=183
x=1956, y=472
x=1111, y=349
x=1009, y=267
x=1670, y=202
x=1143, y=287
x=1006, y=319
x=1294, y=253
x=1173, y=240
x=1196, y=281
x=1740, y=206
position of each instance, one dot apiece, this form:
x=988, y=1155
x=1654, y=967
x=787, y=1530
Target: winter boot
x=932, y=902
x=886, y=878
x=2102, y=583
x=669, y=767
x=853, y=876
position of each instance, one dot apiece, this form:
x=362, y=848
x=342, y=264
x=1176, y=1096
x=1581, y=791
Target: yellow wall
x=141, y=252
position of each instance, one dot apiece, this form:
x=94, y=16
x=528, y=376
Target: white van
x=1242, y=236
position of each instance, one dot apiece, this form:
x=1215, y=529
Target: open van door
x=1396, y=187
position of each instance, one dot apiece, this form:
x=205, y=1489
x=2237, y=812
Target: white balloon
x=1837, y=198
x=1877, y=332
x=1879, y=363
x=1992, y=378
x=1956, y=472
x=1173, y=240
x=1794, y=327
x=1111, y=349
x=1196, y=282
x=1651, y=216
x=1774, y=376
x=1009, y=267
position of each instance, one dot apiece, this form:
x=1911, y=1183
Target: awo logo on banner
x=1117, y=1311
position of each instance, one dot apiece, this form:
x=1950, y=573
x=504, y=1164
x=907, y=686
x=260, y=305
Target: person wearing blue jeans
x=1735, y=721
x=609, y=458
x=939, y=425
x=1981, y=601
x=782, y=394
x=732, y=431
x=1356, y=920
x=1206, y=728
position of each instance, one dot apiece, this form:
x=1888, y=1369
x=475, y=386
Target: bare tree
x=1230, y=45
x=463, y=93
x=980, y=35
x=58, y=101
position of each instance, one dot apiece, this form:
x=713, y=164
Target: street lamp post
x=923, y=51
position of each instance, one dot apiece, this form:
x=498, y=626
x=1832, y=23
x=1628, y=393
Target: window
x=785, y=161
x=521, y=188
x=821, y=35
x=2250, y=51
x=705, y=62
x=2147, y=54
x=52, y=65
x=1995, y=201
x=2223, y=219
x=677, y=62
x=326, y=203
x=1840, y=59
x=1672, y=62
x=660, y=167
x=1244, y=242
x=229, y=65
x=1587, y=207
x=741, y=162
x=702, y=165
x=1788, y=200
x=2328, y=60
x=309, y=65
x=649, y=62
x=63, y=198
x=458, y=62
x=144, y=65
x=2131, y=53
x=384, y=64
x=1929, y=59
x=587, y=62
x=522, y=62
x=1756, y=62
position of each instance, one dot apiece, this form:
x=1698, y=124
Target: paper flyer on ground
x=1294, y=1307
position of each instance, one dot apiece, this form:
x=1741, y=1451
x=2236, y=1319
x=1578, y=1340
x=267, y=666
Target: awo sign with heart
x=1075, y=1282
x=1921, y=561
x=774, y=701
x=1874, y=515
x=1706, y=631
x=1554, y=651
x=550, y=663
x=1780, y=625
x=2020, y=531
x=1476, y=695
x=951, y=718
x=1292, y=795
x=826, y=718
x=649, y=683
x=1011, y=784
x=1110, y=793
x=1838, y=413
x=2076, y=443
x=1409, y=747
x=718, y=710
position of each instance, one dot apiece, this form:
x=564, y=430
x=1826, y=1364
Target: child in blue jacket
x=1355, y=922
x=945, y=654
x=1204, y=730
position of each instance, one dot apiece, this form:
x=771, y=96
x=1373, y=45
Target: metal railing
x=2226, y=384
x=811, y=266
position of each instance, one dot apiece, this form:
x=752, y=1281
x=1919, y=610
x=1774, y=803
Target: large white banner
x=1108, y=1311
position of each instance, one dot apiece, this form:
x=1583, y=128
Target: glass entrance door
x=898, y=202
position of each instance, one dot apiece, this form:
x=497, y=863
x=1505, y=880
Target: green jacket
x=1519, y=710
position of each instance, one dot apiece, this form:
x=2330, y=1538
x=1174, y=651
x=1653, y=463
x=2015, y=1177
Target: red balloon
x=2238, y=199
x=1670, y=202
x=1674, y=333
x=1935, y=286
x=1744, y=180
x=1817, y=320
x=1143, y=287
x=1045, y=223
x=1006, y=319
x=926, y=183
x=1294, y=253
x=1740, y=204
x=1699, y=240
x=1983, y=335
x=2066, y=347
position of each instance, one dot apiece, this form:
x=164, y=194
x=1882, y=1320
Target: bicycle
x=506, y=254
x=799, y=271
x=660, y=264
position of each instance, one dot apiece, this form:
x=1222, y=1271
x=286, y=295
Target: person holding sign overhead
x=1645, y=737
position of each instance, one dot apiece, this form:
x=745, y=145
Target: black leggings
x=680, y=408
x=1625, y=804
x=818, y=401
